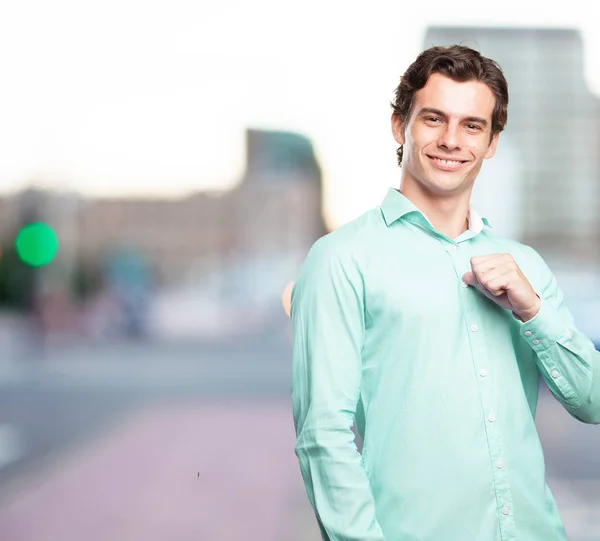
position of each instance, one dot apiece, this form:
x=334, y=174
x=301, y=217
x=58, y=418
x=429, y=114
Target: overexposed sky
x=142, y=97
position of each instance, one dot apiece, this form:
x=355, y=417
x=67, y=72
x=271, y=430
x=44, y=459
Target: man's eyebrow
x=433, y=111
x=481, y=121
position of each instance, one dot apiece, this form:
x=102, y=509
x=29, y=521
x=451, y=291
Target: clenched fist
x=501, y=280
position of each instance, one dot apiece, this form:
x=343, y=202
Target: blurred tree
x=16, y=280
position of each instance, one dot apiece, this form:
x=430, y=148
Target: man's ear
x=492, y=147
x=397, y=129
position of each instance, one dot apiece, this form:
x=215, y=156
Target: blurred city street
x=141, y=441
x=188, y=441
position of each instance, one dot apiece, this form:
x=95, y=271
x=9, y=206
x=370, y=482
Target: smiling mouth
x=446, y=164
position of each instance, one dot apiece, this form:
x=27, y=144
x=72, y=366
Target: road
x=172, y=442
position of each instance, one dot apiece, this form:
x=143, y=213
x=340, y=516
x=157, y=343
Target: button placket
x=486, y=385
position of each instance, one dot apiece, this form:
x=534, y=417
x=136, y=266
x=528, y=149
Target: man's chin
x=448, y=185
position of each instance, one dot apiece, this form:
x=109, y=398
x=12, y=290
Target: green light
x=36, y=244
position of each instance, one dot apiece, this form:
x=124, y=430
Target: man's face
x=447, y=135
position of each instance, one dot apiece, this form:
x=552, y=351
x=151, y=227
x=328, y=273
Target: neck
x=447, y=214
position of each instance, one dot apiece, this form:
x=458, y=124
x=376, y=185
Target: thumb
x=469, y=278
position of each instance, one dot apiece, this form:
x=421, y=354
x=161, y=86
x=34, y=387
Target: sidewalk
x=192, y=471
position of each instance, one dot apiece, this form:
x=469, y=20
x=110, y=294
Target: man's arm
x=567, y=359
x=328, y=323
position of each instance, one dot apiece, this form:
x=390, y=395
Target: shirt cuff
x=544, y=329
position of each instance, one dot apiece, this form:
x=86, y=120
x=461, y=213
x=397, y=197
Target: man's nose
x=450, y=137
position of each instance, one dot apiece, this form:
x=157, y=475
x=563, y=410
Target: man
x=431, y=331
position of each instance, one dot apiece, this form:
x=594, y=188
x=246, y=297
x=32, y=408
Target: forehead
x=471, y=98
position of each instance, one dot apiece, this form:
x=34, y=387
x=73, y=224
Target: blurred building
x=7, y=215
x=236, y=248
x=553, y=136
x=274, y=212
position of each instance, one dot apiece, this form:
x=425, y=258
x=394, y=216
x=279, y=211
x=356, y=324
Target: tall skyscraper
x=553, y=128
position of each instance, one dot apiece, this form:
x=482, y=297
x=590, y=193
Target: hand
x=501, y=280
x=286, y=298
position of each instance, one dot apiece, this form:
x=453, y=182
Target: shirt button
x=491, y=417
x=554, y=374
x=474, y=328
x=453, y=247
x=505, y=510
x=483, y=372
x=536, y=341
x=500, y=464
x=528, y=333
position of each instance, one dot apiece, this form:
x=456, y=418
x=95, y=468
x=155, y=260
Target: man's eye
x=473, y=127
x=432, y=119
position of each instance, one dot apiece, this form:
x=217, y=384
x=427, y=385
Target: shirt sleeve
x=328, y=325
x=568, y=361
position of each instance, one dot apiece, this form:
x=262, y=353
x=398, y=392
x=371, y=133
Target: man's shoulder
x=348, y=240
x=354, y=232
x=508, y=244
x=526, y=256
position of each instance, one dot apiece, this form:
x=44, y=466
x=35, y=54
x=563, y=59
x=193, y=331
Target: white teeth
x=445, y=162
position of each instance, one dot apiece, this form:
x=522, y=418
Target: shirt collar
x=395, y=205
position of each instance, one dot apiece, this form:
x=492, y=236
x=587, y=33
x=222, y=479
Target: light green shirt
x=442, y=381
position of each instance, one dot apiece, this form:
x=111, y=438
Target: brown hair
x=460, y=64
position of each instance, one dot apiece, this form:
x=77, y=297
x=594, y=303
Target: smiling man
x=430, y=331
